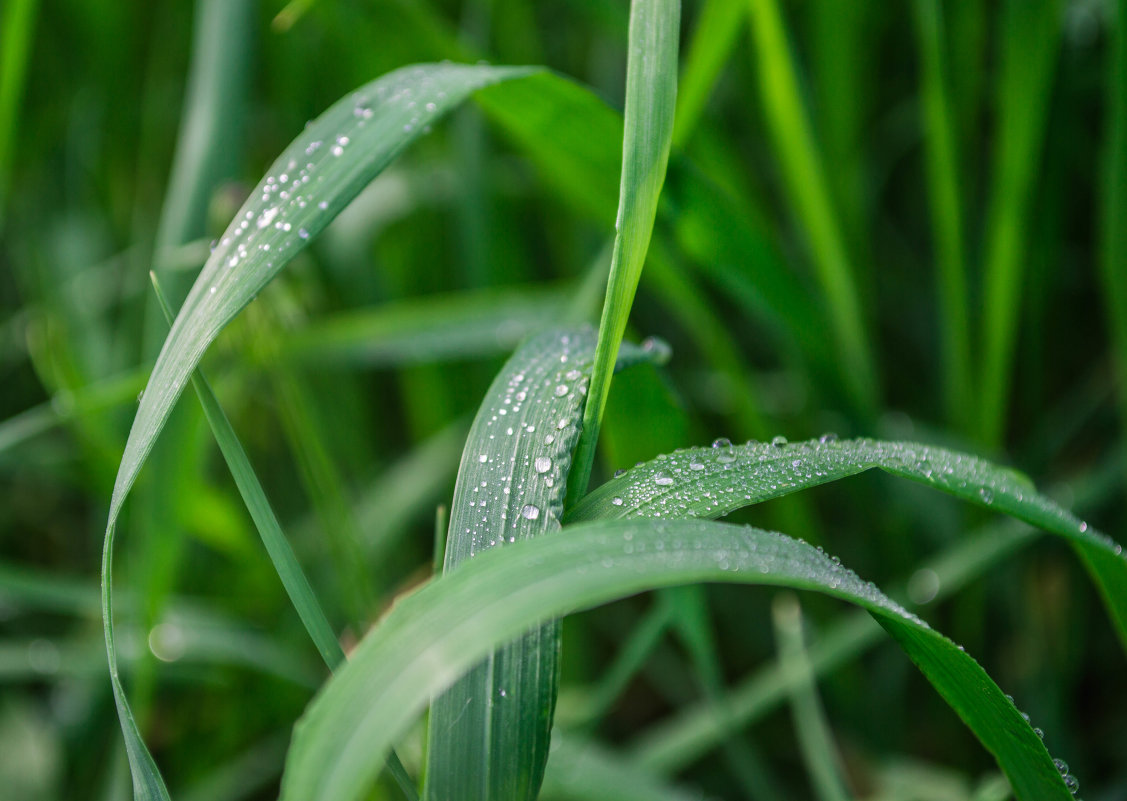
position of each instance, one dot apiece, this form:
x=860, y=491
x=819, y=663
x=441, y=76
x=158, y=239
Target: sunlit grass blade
x=651, y=92
x=1030, y=43
x=467, y=325
x=808, y=193
x=429, y=638
x=314, y=178
x=494, y=724
x=711, y=482
x=943, y=171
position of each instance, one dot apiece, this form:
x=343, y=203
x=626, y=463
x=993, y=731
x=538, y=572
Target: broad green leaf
x=429, y=638
x=489, y=734
x=651, y=95
x=711, y=482
x=315, y=177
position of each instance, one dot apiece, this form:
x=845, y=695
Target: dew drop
x=721, y=442
x=696, y=466
x=616, y=501
x=619, y=473
x=483, y=458
x=779, y=442
x=829, y=436
x=530, y=512
x=542, y=464
x=1061, y=766
x=987, y=495
x=663, y=481
x=561, y=390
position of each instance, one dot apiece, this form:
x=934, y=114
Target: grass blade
x=489, y=733
x=711, y=482
x=1031, y=36
x=946, y=210
x=16, y=35
x=307, y=186
x=809, y=195
x=1114, y=245
x=714, y=39
x=651, y=91
x=429, y=638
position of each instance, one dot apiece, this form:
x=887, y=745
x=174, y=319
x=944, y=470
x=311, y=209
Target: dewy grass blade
x=651, y=92
x=489, y=734
x=314, y=178
x=429, y=638
x=711, y=482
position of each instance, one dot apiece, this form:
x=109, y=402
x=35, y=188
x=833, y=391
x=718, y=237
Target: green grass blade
x=16, y=34
x=943, y=172
x=314, y=178
x=815, y=740
x=1113, y=256
x=809, y=195
x=489, y=733
x=1030, y=42
x=466, y=325
x=429, y=638
x=711, y=46
x=651, y=91
x=254, y=497
x=711, y=482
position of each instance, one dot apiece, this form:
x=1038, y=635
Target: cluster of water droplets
x=1070, y=781
x=685, y=483
x=311, y=181
x=513, y=487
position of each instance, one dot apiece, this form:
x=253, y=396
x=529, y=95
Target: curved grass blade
x=432, y=636
x=711, y=482
x=489, y=734
x=651, y=92
x=314, y=178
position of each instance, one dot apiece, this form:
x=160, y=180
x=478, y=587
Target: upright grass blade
x=714, y=39
x=651, y=91
x=313, y=179
x=429, y=638
x=1030, y=41
x=1113, y=251
x=941, y=155
x=809, y=195
x=489, y=733
x=16, y=34
x=711, y=482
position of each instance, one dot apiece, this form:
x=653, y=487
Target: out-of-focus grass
x=927, y=136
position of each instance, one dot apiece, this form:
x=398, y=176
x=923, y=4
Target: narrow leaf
x=314, y=178
x=711, y=482
x=428, y=639
x=651, y=92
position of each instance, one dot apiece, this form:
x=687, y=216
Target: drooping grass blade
x=314, y=178
x=711, y=482
x=651, y=92
x=429, y=638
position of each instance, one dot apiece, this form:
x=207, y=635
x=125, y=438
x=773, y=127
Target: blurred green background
x=881, y=219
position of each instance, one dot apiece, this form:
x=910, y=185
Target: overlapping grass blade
x=314, y=178
x=489, y=733
x=711, y=482
x=651, y=92
x=432, y=636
